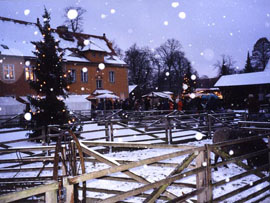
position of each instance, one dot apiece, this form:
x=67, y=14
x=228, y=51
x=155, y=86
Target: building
x=89, y=59
x=236, y=88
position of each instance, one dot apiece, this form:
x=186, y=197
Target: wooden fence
x=68, y=174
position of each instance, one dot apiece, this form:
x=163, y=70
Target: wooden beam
x=157, y=192
x=28, y=192
x=97, y=174
x=112, y=162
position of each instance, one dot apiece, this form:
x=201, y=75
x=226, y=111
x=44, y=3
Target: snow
x=131, y=88
x=10, y=106
x=111, y=59
x=255, y=78
x=150, y=173
x=78, y=102
x=21, y=44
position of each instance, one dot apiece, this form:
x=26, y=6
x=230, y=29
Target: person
x=147, y=104
x=253, y=107
x=180, y=105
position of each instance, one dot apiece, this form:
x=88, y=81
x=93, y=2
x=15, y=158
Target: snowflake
x=26, y=12
x=72, y=14
x=182, y=15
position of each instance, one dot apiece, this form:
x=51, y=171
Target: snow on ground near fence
x=151, y=173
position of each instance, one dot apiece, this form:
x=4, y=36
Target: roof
x=131, y=88
x=255, y=78
x=16, y=41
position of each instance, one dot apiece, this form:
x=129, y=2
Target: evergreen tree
x=260, y=54
x=248, y=68
x=189, y=83
x=225, y=66
x=50, y=80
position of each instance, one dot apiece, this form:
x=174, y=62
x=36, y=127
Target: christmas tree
x=50, y=80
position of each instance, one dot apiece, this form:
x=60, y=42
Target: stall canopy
x=158, y=94
x=10, y=106
x=102, y=94
x=107, y=96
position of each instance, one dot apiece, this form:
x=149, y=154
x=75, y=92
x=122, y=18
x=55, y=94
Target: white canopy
x=107, y=96
x=158, y=94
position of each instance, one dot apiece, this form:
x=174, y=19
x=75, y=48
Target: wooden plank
x=124, y=167
x=136, y=145
x=28, y=149
x=156, y=184
x=241, y=175
x=239, y=163
x=157, y=192
x=51, y=196
x=235, y=192
x=28, y=192
x=112, y=162
x=255, y=194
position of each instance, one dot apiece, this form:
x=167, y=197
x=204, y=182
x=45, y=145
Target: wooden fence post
x=107, y=131
x=111, y=133
x=203, y=179
x=51, y=196
x=209, y=126
x=168, y=131
x=69, y=191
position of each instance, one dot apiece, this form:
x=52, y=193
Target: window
x=72, y=73
x=8, y=71
x=29, y=74
x=99, y=84
x=84, y=76
x=111, y=77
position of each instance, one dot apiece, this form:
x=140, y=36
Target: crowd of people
x=147, y=103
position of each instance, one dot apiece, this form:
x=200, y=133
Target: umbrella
x=209, y=97
x=107, y=96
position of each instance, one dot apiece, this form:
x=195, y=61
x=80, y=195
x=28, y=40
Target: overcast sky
x=205, y=28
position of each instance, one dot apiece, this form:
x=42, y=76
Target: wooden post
x=170, y=131
x=111, y=133
x=166, y=131
x=209, y=126
x=51, y=196
x=69, y=191
x=203, y=179
x=107, y=131
x=209, y=192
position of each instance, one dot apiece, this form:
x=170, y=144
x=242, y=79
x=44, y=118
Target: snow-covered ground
x=150, y=173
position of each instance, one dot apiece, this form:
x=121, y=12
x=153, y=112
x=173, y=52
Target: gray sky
x=210, y=27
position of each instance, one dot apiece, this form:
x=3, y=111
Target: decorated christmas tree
x=50, y=81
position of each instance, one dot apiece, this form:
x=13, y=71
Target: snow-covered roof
x=16, y=41
x=131, y=88
x=255, y=78
x=158, y=94
x=112, y=59
x=97, y=92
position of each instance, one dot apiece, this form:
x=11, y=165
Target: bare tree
x=140, y=65
x=76, y=24
x=172, y=65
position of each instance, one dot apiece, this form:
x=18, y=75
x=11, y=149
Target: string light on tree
x=193, y=77
x=167, y=73
x=27, y=116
